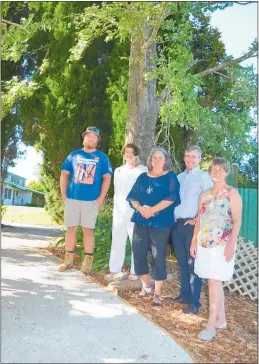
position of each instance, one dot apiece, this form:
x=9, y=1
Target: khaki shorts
x=82, y=213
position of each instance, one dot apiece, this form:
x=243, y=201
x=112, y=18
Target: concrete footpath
x=52, y=317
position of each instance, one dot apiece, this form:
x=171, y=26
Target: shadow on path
x=30, y=233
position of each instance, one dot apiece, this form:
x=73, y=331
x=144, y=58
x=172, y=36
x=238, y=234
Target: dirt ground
x=237, y=344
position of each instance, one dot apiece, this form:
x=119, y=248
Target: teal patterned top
x=215, y=220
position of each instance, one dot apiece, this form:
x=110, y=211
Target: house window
x=7, y=193
x=16, y=193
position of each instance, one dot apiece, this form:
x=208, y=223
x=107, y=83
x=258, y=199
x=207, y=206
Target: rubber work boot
x=87, y=264
x=68, y=262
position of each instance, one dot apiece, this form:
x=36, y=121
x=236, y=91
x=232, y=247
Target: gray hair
x=167, y=164
x=195, y=148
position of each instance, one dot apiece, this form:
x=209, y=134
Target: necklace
x=150, y=189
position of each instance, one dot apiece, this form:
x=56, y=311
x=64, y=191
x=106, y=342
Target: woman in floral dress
x=214, y=242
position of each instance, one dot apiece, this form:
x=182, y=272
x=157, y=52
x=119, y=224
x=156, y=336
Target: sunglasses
x=93, y=129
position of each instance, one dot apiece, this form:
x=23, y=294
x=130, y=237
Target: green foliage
x=103, y=238
x=117, y=95
x=54, y=204
x=37, y=186
x=3, y=210
x=66, y=66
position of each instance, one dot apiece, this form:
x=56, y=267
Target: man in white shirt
x=192, y=181
x=124, y=178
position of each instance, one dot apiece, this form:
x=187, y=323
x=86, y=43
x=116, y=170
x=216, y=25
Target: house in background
x=15, y=192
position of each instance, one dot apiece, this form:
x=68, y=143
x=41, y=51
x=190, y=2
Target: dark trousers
x=190, y=282
x=156, y=239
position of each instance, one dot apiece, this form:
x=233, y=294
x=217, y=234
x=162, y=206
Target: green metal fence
x=249, y=227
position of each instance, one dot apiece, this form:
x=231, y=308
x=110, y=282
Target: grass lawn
x=28, y=215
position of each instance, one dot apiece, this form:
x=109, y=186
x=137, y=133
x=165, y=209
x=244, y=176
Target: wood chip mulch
x=237, y=344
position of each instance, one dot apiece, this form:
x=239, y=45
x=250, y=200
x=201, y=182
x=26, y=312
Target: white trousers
x=121, y=230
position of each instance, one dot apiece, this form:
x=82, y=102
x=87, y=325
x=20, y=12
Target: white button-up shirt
x=191, y=185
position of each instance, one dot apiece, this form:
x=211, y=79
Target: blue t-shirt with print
x=86, y=174
x=152, y=190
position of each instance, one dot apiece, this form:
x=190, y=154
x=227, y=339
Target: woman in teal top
x=154, y=197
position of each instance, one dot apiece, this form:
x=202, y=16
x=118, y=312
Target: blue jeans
x=190, y=282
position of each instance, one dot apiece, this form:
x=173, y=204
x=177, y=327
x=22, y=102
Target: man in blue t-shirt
x=84, y=182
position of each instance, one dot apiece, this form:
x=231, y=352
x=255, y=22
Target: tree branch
x=194, y=62
x=14, y=24
x=222, y=74
x=152, y=38
x=138, y=25
x=165, y=93
x=224, y=65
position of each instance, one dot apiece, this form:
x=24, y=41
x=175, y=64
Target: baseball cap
x=91, y=129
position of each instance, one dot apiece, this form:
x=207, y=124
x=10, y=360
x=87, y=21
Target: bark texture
x=142, y=104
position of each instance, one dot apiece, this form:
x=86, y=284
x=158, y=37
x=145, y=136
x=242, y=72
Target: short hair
x=220, y=162
x=167, y=164
x=133, y=146
x=192, y=148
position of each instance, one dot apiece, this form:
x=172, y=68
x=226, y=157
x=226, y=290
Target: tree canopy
x=153, y=72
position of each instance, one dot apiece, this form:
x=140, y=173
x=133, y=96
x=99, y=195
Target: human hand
x=146, y=211
x=64, y=196
x=229, y=252
x=193, y=249
x=190, y=222
x=99, y=201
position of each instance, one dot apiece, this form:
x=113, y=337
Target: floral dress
x=213, y=236
x=215, y=220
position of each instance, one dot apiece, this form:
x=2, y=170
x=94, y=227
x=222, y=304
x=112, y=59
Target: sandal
x=156, y=304
x=144, y=293
x=219, y=327
x=206, y=335
x=133, y=277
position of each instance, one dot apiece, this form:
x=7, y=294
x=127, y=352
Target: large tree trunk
x=142, y=104
x=190, y=137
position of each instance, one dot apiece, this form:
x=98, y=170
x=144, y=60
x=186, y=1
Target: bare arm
x=236, y=212
x=193, y=248
x=148, y=211
x=161, y=205
x=105, y=187
x=141, y=209
x=64, y=178
x=136, y=205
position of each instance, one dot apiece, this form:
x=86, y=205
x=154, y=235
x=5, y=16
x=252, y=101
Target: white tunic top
x=124, y=179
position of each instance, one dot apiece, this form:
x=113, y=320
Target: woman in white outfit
x=124, y=178
x=214, y=242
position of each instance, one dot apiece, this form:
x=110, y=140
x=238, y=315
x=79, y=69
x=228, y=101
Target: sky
x=238, y=26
